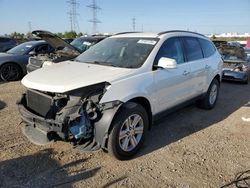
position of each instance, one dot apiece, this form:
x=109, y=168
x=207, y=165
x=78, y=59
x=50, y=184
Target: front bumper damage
x=85, y=126
x=235, y=70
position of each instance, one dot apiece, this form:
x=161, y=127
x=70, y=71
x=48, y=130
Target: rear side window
x=171, y=48
x=192, y=48
x=207, y=47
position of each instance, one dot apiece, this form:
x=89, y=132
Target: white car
x=110, y=95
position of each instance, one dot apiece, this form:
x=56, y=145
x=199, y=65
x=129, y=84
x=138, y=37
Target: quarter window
x=207, y=47
x=171, y=48
x=192, y=48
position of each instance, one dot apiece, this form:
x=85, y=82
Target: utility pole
x=133, y=23
x=29, y=27
x=94, y=7
x=74, y=26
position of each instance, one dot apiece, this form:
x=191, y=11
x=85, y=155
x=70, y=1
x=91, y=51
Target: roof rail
x=171, y=31
x=127, y=32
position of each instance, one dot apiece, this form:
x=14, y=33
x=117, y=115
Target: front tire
x=10, y=72
x=128, y=131
x=210, y=99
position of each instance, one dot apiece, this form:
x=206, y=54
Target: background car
x=84, y=43
x=64, y=50
x=68, y=40
x=236, y=65
x=6, y=44
x=13, y=62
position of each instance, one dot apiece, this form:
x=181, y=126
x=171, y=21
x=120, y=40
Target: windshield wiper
x=101, y=63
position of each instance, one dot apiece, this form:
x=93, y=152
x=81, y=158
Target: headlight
x=47, y=63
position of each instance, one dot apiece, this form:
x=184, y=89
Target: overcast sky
x=205, y=16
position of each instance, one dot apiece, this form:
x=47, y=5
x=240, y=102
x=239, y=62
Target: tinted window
x=171, y=48
x=4, y=40
x=21, y=49
x=207, y=47
x=192, y=49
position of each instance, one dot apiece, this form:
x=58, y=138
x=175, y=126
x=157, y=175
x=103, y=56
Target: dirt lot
x=189, y=148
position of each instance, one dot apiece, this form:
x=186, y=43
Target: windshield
x=82, y=44
x=119, y=52
x=20, y=49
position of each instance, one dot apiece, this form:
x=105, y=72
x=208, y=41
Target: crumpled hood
x=69, y=75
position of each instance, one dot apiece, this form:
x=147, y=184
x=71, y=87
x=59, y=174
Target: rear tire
x=10, y=72
x=128, y=131
x=210, y=99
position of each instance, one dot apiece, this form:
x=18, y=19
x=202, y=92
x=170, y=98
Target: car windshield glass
x=20, y=49
x=119, y=52
x=82, y=44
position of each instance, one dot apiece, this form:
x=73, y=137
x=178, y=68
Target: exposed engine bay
x=70, y=117
x=36, y=62
x=58, y=56
x=235, y=66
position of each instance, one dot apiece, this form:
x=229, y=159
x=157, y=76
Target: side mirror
x=32, y=53
x=167, y=63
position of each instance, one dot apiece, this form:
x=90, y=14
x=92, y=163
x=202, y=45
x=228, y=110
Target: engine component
x=81, y=126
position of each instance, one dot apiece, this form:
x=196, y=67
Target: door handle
x=185, y=73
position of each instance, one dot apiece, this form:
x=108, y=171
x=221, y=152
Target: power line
x=73, y=4
x=94, y=7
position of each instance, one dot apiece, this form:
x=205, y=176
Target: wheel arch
x=13, y=62
x=218, y=78
x=144, y=102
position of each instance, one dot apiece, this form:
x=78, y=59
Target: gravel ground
x=189, y=148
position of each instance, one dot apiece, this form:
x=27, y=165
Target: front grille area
x=38, y=102
x=36, y=62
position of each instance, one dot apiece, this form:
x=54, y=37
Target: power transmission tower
x=133, y=23
x=94, y=20
x=73, y=4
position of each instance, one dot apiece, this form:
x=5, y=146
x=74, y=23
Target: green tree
x=17, y=35
x=80, y=34
x=60, y=34
x=70, y=34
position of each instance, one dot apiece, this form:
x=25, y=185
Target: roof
x=154, y=35
x=134, y=34
x=35, y=42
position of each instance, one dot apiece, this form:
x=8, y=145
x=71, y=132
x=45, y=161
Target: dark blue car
x=13, y=62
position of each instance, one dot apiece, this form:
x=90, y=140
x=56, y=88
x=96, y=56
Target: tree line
x=66, y=34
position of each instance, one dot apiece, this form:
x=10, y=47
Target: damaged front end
x=235, y=71
x=76, y=116
x=236, y=65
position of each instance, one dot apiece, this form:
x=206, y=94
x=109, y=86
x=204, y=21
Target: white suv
x=110, y=95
